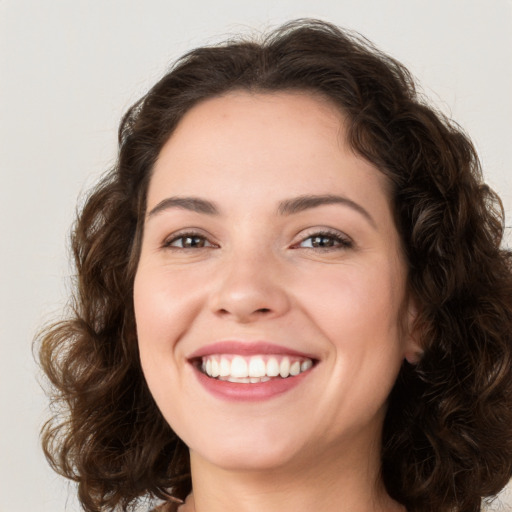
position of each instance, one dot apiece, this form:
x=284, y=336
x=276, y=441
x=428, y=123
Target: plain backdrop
x=70, y=68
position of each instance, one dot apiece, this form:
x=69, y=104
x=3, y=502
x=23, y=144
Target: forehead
x=243, y=117
x=244, y=143
x=257, y=105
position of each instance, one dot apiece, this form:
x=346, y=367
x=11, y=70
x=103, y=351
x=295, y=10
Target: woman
x=290, y=295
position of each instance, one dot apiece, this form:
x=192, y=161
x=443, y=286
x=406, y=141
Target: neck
x=332, y=484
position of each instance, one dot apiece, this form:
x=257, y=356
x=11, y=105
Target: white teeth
x=272, y=367
x=306, y=365
x=239, y=367
x=295, y=368
x=225, y=367
x=215, y=368
x=257, y=367
x=284, y=368
x=246, y=380
x=243, y=380
x=253, y=369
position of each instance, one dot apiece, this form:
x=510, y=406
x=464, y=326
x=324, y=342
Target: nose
x=249, y=289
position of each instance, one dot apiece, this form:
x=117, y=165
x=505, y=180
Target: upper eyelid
x=314, y=231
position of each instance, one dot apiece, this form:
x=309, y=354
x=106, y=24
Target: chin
x=248, y=451
x=249, y=459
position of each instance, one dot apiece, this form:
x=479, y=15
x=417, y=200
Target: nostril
x=244, y=316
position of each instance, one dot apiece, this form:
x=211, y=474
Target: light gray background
x=69, y=69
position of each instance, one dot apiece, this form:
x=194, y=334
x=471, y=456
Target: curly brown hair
x=447, y=439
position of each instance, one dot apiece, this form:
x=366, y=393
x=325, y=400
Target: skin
x=255, y=275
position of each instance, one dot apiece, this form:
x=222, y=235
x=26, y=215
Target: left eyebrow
x=194, y=204
x=301, y=203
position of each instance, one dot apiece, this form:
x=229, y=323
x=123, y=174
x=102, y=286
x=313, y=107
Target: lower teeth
x=245, y=380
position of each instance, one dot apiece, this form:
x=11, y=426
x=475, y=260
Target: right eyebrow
x=301, y=203
x=193, y=204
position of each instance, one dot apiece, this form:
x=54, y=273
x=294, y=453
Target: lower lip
x=241, y=392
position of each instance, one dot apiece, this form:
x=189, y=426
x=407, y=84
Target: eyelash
x=188, y=234
x=339, y=241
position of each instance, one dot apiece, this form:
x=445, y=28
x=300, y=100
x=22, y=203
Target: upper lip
x=243, y=348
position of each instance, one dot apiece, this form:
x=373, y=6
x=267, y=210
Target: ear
x=413, y=351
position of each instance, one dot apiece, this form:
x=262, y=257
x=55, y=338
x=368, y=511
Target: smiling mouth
x=252, y=369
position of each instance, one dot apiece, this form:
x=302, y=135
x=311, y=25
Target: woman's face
x=270, y=292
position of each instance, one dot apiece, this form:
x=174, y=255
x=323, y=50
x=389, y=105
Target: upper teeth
x=260, y=367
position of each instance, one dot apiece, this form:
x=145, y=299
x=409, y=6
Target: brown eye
x=325, y=241
x=189, y=241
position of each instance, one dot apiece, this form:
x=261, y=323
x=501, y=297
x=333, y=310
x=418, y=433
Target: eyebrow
x=301, y=203
x=286, y=207
x=194, y=204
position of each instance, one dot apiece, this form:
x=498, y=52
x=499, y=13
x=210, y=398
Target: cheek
x=167, y=303
x=161, y=317
x=354, y=299
x=358, y=311
x=164, y=301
